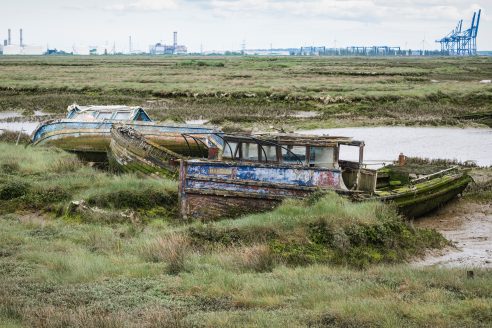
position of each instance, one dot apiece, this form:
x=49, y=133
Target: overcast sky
x=224, y=24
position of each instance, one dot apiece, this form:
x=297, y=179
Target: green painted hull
x=422, y=198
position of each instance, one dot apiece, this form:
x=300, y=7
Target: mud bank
x=468, y=225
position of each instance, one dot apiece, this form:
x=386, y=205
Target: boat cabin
x=111, y=113
x=256, y=172
x=302, y=151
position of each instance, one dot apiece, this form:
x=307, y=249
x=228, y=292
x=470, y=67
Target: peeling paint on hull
x=213, y=190
x=94, y=137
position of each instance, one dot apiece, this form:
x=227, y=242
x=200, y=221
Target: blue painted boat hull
x=211, y=189
x=92, y=138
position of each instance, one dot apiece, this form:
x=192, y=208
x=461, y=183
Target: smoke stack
x=130, y=44
x=175, y=44
x=5, y=42
x=9, y=39
x=20, y=32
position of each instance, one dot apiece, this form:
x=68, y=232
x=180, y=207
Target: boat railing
x=198, y=141
x=434, y=175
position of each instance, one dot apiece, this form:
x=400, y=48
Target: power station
x=174, y=49
x=20, y=49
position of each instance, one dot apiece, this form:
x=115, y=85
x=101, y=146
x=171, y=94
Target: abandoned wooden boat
x=131, y=151
x=86, y=130
x=257, y=172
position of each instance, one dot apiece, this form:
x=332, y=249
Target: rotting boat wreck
x=86, y=130
x=131, y=151
x=255, y=173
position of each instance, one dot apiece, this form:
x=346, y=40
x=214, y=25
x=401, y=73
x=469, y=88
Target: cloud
x=363, y=11
x=144, y=5
x=336, y=9
x=350, y=10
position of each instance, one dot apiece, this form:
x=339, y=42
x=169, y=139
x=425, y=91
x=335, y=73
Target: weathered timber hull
x=425, y=197
x=131, y=152
x=211, y=190
x=92, y=139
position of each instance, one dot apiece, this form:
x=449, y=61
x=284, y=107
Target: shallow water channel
x=15, y=121
x=26, y=127
x=384, y=144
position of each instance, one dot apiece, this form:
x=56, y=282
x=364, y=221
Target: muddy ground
x=468, y=225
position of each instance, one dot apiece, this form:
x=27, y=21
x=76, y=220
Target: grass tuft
x=171, y=249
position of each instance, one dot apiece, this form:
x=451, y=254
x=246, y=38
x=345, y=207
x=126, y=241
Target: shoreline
x=468, y=226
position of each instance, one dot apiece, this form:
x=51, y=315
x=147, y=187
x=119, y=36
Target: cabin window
x=271, y=153
x=349, y=153
x=143, y=117
x=123, y=116
x=228, y=147
x=249, y=152
x=322, y=157
x=86, y=115
x=104, y=115
x=294, y=154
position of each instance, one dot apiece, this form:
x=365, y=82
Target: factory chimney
x=5, y=42
x=20, y=32
x=9, y=39
x=175, y=43
x=130, y=44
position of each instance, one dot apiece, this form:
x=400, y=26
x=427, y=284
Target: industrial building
x=350, y=51
x=266, y=52
x=21, y=48
x=174, y=49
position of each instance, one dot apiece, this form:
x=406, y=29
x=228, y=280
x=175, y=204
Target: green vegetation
x=47, y=180
x=77, y=251
x=12, y=137
x=238, y=91
x=481, y=188
x=330, y=230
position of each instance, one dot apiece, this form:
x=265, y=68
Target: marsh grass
x=330, y=229
x=12, y=137
x=172, y=249
x=347, y=91
x=252, y=258
x=323, y=262
x=37, y=178
x=55, y=271
x=480, y=189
